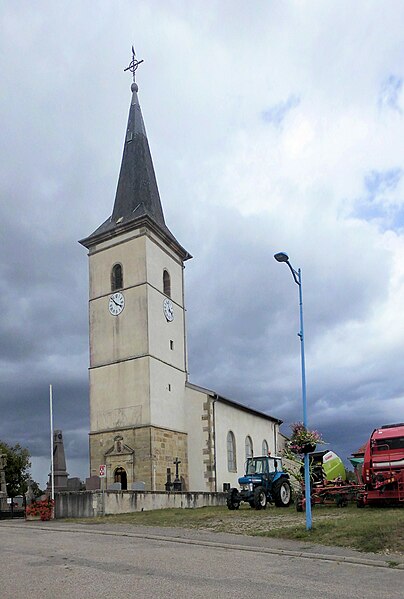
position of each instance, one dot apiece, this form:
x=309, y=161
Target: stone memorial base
x=29, y=517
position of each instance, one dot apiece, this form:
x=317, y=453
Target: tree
x=16, y=469
x=37, y=492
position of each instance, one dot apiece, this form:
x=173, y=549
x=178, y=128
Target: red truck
x=383, y=467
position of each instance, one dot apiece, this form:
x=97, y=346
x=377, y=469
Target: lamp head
x=281, y=257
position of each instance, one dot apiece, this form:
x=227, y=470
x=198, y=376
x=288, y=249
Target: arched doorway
x=120, y=477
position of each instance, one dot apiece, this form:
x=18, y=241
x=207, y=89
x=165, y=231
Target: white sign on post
x=103, y=470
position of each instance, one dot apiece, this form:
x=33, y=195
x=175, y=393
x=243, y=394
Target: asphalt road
x=58, y=560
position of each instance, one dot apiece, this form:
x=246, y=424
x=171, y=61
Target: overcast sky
x=273, y=126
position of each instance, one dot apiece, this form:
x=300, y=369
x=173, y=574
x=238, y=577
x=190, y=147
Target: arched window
x=116, y=277
x=231, y=452
x=166, y=283
x=120, y=477
x=264, y=447
x=248, y=447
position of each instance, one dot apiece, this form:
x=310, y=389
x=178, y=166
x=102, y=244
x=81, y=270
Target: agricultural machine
x=380, y=481
x=264, y=482
x=383, y=467
x=328, y=482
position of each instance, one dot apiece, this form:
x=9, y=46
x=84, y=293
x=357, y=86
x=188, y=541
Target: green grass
x=370, y=530
x=378, y=530
x=206, y=518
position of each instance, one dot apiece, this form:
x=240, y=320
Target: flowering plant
x=43, y=509
x=301, y=437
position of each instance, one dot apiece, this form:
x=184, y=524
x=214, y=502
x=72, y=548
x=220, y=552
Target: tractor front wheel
x=282, y=493
x=260, y=498
x=233, y=499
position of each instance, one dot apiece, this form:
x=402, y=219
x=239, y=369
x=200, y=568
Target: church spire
x=137, y=198
x=137, y=192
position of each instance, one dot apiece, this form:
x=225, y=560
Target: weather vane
x=134, y=63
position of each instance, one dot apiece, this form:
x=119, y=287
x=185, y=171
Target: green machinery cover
x=333, y=466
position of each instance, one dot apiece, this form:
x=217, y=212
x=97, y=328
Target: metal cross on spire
x=134, y=63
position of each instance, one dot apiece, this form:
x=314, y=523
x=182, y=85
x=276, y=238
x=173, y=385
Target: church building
x=146, y=417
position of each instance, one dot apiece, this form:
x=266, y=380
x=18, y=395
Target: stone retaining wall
x=88, y=504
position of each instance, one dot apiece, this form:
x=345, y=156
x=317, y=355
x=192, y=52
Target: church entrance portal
x=120, y=477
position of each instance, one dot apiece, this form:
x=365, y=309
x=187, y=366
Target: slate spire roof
x=137, y=199
x=137, y=190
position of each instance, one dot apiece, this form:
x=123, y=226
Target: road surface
x=61, y=560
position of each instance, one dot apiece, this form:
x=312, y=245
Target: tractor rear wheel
x=233, y=499
x=282, y=493
x=260, y=498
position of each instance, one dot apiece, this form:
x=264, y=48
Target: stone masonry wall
x=137, y=465
x=209, y=449
x=166, y=447
x=154, y=450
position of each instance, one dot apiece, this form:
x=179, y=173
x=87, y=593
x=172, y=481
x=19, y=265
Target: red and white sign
x=103, y=470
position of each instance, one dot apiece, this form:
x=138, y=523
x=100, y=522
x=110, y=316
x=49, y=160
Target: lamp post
x=297, y=277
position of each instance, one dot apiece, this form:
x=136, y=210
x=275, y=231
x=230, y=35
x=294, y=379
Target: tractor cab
x=262, y=465
x=264, y=481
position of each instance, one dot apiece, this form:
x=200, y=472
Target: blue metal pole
x=306, y=456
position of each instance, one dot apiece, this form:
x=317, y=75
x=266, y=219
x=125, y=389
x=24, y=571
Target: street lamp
x=297, y=277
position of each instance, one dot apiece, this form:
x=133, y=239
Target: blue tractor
x=264, y=482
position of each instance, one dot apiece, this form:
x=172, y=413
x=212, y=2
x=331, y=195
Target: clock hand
x=116, y=303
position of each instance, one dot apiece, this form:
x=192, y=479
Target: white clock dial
x=168, y=309
x=116, y=303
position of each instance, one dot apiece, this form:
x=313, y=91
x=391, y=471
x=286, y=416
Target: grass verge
x=370, y=530
x=378, y=530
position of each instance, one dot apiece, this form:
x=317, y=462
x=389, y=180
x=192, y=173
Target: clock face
x=168, y=309
x=116, y=303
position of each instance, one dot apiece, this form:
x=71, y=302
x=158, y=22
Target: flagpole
x=51, y=435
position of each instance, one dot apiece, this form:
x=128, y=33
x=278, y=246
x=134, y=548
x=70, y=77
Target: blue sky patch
x=373, y=206
x=378, y=182
x=276, y=114
x=390, y=93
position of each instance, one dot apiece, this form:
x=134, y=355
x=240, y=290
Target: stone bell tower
x=138, y=365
